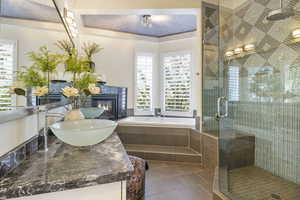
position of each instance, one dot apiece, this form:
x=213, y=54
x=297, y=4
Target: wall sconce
x=249, y=47
x=238, y=50
x=296, y=33
x=229, y=53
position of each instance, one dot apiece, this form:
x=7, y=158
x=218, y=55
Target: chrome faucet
x=46, y=126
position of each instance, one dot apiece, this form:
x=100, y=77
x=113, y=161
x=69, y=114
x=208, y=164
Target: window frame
x=15, y=63
x=152, y=110
x=190, y=113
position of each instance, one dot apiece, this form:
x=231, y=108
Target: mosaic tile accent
x=15, y=157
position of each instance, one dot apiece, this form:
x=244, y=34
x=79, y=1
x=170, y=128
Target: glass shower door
x=211, y=81
x=259, y=74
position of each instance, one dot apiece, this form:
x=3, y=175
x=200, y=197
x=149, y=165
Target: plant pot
x=75, y=114
x=92, y=66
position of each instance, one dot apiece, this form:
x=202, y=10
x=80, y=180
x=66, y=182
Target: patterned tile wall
x=268, y=83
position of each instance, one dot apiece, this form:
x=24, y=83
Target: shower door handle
x=219, y=115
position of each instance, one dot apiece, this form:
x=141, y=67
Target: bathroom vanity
x=71, y=173
x=63, y=172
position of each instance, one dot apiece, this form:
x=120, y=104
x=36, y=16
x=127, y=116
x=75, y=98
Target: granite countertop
x=65, y=167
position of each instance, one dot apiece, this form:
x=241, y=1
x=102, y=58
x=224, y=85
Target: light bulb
x=296, y=33
x=249, y=47
x=238, y=50
x=229, y=53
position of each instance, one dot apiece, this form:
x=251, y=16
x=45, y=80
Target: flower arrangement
x=45, y=63
x=84, y=79
x=41, y=91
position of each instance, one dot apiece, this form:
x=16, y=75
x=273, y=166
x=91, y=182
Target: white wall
x=117, y=60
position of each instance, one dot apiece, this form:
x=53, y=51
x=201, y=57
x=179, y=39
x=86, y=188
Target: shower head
x=280, y=14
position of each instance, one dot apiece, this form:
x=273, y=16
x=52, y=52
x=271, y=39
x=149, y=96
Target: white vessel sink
x=83, y=132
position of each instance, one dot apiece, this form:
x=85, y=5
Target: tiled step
x=164, y=153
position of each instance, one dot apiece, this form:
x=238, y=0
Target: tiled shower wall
x=268, y=83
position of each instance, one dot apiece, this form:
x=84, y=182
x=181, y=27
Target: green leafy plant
x=46, y=62
x=76, y=65
x=90, y=49
x=66, y=46
x=84, y=81
x=31, y=77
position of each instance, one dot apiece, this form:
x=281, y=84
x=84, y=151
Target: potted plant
x=91, y=49
x=37, y=76
x=83, y=84
x=46, y=62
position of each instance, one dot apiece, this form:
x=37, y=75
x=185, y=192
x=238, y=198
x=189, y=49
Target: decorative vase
x=92, y=112
x=75, y=114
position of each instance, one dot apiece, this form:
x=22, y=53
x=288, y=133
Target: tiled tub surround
x=158, y=141
x=65, y=167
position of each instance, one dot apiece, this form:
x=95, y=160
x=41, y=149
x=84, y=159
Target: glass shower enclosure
x=251, y=95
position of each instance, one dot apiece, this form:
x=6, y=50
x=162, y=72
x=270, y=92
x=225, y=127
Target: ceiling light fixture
x=70, y=22
x=146, y=21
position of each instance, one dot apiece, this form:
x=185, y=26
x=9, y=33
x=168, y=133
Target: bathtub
x=166, y=122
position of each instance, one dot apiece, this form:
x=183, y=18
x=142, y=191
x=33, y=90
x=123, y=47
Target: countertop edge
x=10, y=115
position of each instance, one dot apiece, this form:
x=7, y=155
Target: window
x=234, y=83
x=7, y=66
x=177, y=82
x=144, y=73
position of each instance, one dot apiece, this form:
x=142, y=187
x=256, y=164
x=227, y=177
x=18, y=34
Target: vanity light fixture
x=296, y=33
x=70, y=21
x=229, y=53
x=249, y=47
x=238, y=50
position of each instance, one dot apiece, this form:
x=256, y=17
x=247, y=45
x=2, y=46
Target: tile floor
x=178, y=181
x=250, y=183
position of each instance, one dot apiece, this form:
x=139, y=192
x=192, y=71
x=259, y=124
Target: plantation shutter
x=144, y=73
x=234, y=83
x=7, y=64
x=177, y=84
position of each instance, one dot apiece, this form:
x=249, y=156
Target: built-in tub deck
x=166, y=122
x=161, y=138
